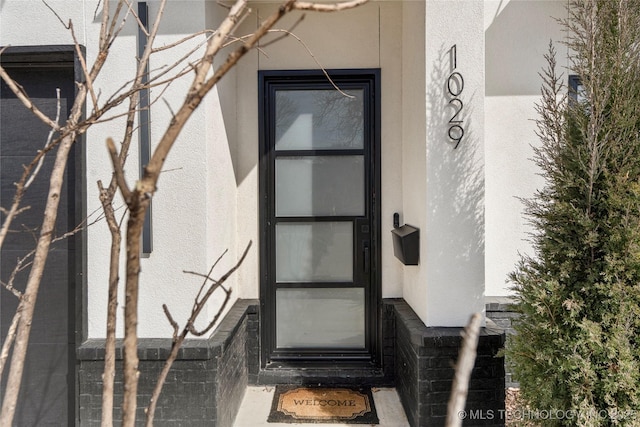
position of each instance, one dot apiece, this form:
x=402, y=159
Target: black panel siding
x=47, y=395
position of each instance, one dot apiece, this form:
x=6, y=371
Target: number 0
x=457, y=81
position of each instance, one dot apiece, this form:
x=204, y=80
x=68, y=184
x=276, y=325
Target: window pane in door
x=328, y=317
x=320, y=186
x=315, y=251
x=319, y=119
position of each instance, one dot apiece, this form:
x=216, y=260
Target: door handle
x=365, y=254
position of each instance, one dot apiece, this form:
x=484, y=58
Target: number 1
x=454, y=57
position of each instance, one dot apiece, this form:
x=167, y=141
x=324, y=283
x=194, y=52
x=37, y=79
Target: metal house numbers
x=455, y=86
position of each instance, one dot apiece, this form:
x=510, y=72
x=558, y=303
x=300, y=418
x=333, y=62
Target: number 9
x=456, y=136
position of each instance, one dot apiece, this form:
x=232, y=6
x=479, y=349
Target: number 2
x=457, y=111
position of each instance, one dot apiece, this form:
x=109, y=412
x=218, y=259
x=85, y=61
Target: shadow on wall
x=174, y=18
x=176, y=22
x=456, y=201
x=515, y=43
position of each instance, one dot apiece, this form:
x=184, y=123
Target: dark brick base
x=205, y=385
x=500, y=312
x=425, y=359
x=207, y=382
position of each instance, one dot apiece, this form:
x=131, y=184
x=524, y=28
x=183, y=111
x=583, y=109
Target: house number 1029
x=455, y=86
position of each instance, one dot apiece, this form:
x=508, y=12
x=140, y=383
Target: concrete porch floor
x=256, y=405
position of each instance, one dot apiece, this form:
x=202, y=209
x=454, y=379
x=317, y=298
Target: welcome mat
x=300, y=404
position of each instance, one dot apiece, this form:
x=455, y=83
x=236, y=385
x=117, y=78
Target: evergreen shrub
x=576, y=352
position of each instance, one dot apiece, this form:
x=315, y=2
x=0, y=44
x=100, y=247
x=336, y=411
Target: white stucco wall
x=443, y=187
x=194, y=208
x=454, y=232
x=414, y=147
x=514, y=57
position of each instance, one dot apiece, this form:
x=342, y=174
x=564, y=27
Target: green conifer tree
x=577, y=347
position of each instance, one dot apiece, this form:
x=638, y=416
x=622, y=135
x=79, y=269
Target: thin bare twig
x=207, y=276
x=310, y=53
x=117, y=168
x=55, y=14
x=227, y=297
x=21, y=264
x=47, y=142
x=174, y=324
x=15, y=209
x=22, y=95
x=177, y=343
x=327, y=7
x=286, y=32
x=85, y=70
x=209, y=33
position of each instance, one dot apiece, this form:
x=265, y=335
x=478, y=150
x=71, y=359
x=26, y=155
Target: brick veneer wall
x=205, y=385
x=500, y=312
x=424, y=369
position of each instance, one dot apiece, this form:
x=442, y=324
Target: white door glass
x=320, y=317
x=316, y=251
x=319, y=119
x=320, y=186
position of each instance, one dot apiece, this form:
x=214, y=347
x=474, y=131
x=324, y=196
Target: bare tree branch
x=47, y=142
x=21, y=188
x=21, y=264
x=327, y=7
x=27, y=306
x=177, y=343
x=310, y=53
x=108, y=377
x=83, y=65
x=286, y=32
x=20, y=93
x=207, y=276
x=9, y=340
x=466, y=361
x=208, y=33
x=55, y=14
x=174, y=324
x=106, y=198
x=191, y=326
x=117, y=167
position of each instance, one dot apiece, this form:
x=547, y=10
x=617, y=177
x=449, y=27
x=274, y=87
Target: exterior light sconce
x=406, y=242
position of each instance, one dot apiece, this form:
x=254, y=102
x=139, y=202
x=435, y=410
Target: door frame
x=373, y=307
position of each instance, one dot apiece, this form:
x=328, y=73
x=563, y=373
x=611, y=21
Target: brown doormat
x=302, y=404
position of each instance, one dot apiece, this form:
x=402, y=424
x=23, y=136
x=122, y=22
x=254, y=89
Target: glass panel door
x=318, y=183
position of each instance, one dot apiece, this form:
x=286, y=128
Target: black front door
x=319, y=216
